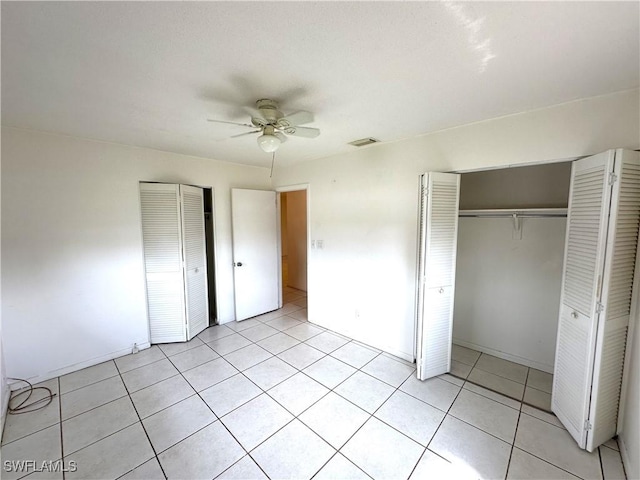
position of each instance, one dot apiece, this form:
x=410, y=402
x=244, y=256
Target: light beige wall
x=284, y=237
x=72, y=270
x=297, y=238
x=537, y=186
x=364, y=205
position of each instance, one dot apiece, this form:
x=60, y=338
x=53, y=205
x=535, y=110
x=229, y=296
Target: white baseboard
x=506, y=356
x=77, y=366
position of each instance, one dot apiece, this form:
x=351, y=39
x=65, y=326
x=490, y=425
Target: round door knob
x=197, y=270
x=574, y=314
x=441, y=290
x=239, y=264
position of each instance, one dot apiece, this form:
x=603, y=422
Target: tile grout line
x=153, y=449
x=624, y=470
x=325, y=354
x=64, y=474
x=343, y=456
x=218, y=419
x=515, y=433
x=92, y=383
x=397, y=389
x=548, y=462
x=371, y=415
x=533, y=455
x=600, y=460
x=296, y=417
x=518, y=424
x=437, y=429
x=113, y=433
x=248, y=454
x=504, y=394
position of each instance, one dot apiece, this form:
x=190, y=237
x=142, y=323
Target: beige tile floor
x=278, y=397
x=531, y=386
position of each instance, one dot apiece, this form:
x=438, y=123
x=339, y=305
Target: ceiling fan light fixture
x=268, y=143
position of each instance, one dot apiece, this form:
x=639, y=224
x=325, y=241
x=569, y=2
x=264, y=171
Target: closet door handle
x=574, y=314
x=441, y=290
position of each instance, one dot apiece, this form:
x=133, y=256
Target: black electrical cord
x=24, y=406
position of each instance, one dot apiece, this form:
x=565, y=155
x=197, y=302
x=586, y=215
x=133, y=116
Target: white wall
x=508, y=290
x=4, y=387
x=364, y=205
x=72, y=270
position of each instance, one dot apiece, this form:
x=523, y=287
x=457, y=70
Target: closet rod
x=521, y=213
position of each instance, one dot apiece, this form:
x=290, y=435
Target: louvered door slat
x=437, y=259
x=161, y=230
x=589, y=185
x=569, y=369
x=162, y=243
x=587, y=222
x=600, y=257
x=622, y=243
x=195, y=257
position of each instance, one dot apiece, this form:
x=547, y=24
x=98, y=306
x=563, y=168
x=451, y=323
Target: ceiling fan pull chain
x=273, y=160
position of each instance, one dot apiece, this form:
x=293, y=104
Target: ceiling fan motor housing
x=269, y=110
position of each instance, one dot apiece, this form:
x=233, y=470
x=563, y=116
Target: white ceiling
x=150, y=73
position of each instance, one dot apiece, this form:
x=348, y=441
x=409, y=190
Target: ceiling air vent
x=364, y=141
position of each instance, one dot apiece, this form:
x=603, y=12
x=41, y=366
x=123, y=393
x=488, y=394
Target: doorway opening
x=508, y=278
x=293, y=243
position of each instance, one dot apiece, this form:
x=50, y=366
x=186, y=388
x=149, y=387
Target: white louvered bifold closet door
x=622, y=244
x=195, y=260
x=436, y=272
x=162, y=241
x=593, y=319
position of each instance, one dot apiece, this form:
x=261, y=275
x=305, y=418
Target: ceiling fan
x=274, y=125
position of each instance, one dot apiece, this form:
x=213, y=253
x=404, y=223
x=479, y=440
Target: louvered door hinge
x=587, y=425
x=599, y=307
x=613, y=178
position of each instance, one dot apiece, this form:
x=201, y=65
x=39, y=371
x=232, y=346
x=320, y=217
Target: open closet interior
x=544, y=270
x=511, y=235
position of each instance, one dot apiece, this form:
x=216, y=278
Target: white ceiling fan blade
x=245, y=133
x=306, y=132
x=230, y=123
x=296, y=118
x=281, y=136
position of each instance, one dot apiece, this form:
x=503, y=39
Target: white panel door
x=620, y=260
x=255, y=252
x=195, y=260
x=436, y=272
x=587, y=225
x=162, y=239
